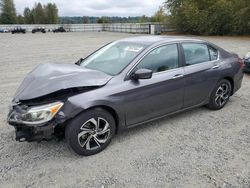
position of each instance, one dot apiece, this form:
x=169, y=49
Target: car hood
x=49, y=78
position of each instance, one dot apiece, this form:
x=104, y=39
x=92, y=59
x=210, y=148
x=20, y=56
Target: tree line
x=207, y=17
x=210, y=17
x=103, y=19
x=110, y=19
x=48, y=14
x=39, y=14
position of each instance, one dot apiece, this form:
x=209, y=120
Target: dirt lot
x=199, y=148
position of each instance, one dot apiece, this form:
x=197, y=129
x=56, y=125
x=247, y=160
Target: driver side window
x=160, y=59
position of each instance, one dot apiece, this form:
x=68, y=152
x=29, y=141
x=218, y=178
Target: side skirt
x=166, y=115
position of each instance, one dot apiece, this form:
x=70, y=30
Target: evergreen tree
x=28, y=17
x=8, y=12
x=51, y=12
x=39, y=14
x=20, y=19
x=103, y=19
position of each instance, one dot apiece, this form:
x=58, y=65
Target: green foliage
x=93, y=19
x=8, y=12
x=20, y=19
x=144, y=19
x=51, y=13
x=28, y=17
x=210, y=17
x=159, y=16
x=241, y=16
x=39, y=14
x=103, y=19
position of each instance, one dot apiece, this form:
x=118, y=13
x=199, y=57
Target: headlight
x=36, y=115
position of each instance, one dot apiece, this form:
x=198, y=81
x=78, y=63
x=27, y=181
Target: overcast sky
x=97, y=7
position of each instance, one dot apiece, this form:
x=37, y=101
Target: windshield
x=113, y=58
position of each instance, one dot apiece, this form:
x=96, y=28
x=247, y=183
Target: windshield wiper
x=79, y=61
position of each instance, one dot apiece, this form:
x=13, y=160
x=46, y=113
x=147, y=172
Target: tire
x=83, y=136
x=220, y=95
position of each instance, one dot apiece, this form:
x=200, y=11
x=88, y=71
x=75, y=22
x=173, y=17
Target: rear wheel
x=220, y=95
x=90, y=132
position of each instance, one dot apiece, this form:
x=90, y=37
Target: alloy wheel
x=94, y=133
x=222, y=94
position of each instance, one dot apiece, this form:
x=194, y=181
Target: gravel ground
x=198, y=148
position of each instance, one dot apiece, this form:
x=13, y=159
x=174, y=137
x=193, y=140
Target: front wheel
x=220, y=95
x=90, y=132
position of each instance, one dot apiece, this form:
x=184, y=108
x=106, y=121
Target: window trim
x=204, y=43
x=209, y=46
x=149, y=51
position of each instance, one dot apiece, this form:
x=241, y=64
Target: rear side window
x=213, y=53
x=195, y=53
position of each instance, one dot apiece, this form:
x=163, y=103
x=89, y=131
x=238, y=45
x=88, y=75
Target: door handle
x=177, y=76
x=215, y=66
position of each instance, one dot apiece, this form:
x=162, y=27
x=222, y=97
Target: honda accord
x=123, y=84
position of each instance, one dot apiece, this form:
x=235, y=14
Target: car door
x=201, y=72
x=163, y=93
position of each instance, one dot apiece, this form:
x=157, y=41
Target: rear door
x=201, y=72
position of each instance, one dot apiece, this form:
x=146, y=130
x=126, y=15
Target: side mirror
x=142, y=74
x=79, y=61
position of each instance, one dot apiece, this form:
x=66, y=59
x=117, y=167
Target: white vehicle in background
x=4, y=30
x=247, y=62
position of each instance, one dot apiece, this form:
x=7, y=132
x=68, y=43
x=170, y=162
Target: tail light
x=241, y=62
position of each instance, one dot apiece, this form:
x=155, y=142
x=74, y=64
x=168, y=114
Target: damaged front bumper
x=32, y=133
x=37, y=131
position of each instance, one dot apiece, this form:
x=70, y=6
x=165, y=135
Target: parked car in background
x=123, y=84
x=59, y=30
x=247, y=63
x=4, y=30
x=40, y=29
x=18, y=30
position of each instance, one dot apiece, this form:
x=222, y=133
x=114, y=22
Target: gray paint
x=138, y=101
x=49, y=78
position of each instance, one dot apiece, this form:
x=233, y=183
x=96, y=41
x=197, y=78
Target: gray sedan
x=121, y=85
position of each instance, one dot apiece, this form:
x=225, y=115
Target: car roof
x=150, y=40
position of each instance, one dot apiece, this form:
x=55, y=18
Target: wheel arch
x=111, y=110
x=230, y=79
